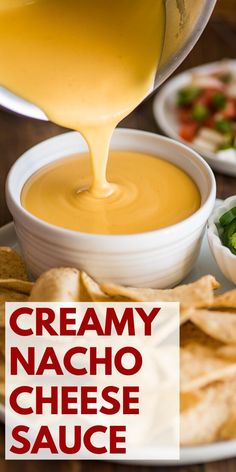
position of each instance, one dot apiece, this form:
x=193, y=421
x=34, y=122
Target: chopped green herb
x=225, y=146
x=219, y=100
x=229, y=236
x=187, y=95
x=228, y=142
x=228, y=217
x=233, y=244
x=223, y=125
x=200, y=112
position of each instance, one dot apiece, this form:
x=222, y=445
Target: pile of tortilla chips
x=207, y=332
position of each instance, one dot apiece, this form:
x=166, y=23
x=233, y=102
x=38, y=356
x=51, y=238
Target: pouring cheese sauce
x=87, y=64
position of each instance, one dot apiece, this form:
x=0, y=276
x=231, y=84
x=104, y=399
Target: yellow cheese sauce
x=86, y=63
x=149, y=193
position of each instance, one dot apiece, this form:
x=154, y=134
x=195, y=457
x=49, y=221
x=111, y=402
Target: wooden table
x=18, y=134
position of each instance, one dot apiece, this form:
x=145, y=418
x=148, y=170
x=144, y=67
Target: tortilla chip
x=197, y=294
x=2, y=382
x=2, y=393
x=200, y=366
x=219, y=325
x=228, y=431
x=185, y=314
x=202, y=423
x=9, y=296
x=90, y=290
x=190, y=333
x=2, y=367
x=12, y=265
x=21, y=286
x=227, y=352
x=2, y=342
x=189, y=400
x=225, y=300
x=2, y=375
x=57, y=285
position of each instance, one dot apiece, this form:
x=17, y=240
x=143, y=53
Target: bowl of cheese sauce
x=149, y=236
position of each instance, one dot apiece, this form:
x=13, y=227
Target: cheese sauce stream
x=86, y=63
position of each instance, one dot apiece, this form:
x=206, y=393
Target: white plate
x=205, y=264
x=164, y=108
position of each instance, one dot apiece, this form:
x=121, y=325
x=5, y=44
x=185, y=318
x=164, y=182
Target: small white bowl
x=160, y=258
x=225, y=259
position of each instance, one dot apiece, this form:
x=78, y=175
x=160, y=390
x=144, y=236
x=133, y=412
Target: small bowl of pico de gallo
x=199, y=108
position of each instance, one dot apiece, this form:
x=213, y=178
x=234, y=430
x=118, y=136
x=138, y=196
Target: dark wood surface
x=18, y=134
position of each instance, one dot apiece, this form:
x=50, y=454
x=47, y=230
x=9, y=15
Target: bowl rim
x=213, y=231
x=166, y=231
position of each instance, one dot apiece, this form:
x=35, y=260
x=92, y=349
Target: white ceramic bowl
x=160, y=258
x=223, y=256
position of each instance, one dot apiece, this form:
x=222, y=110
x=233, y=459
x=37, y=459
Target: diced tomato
x=188, y=131
x=229, y=111
x=206, y=97
x=210, y=122
x=184, y=115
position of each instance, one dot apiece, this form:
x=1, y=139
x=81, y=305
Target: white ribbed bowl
x=223, y=256
x=158, y=258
